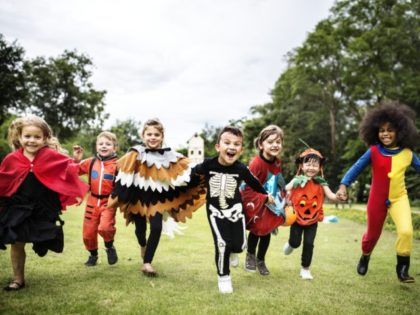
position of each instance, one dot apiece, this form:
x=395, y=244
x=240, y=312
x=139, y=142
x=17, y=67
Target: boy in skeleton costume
x=224, y=174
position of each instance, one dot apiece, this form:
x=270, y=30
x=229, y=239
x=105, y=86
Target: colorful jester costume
x=387, y=192
x=151, y=181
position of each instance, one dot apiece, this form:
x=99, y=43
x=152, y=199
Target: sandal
x=149, y=271
x=14, y=286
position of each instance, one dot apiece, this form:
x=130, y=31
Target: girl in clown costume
x=306, y=191
x=391, y=133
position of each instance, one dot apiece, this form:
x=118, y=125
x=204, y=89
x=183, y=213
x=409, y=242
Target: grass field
x=187, y=282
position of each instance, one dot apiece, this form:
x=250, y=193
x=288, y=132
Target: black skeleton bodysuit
x=224, y=207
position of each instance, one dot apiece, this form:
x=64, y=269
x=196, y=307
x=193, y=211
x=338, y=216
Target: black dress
x=31, y=215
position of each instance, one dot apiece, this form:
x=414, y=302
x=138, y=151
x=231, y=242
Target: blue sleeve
x=356, y=169
x=416, y=162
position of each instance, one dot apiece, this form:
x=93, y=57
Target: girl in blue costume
x=391, y=133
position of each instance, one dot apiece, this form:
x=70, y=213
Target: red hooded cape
x=53, y=169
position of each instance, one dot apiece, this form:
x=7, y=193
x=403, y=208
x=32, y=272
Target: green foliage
x=61, y=93
x=12, y=81
x=363, y=53
x=127, y=132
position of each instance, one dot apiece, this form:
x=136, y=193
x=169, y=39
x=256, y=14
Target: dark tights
x=264, y=242
x=154, y=236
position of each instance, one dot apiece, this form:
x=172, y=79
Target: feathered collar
x=157, y=157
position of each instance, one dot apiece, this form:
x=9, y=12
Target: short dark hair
x=231, y=129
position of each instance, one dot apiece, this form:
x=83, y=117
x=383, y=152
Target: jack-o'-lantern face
x=307, y=202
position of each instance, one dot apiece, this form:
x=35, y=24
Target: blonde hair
x=267, y=132
x=17, y=125
x=153, y=122
x=110, y=136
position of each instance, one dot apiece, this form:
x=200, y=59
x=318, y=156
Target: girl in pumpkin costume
x=307, y=191
x=391, y=132
x=153, y=181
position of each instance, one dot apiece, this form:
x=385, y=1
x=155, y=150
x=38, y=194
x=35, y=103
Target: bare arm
x=77, y=153
x=342, y=192
x=329, y=194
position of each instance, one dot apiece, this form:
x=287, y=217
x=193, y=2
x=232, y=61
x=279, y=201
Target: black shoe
x=262, y=268
x=14, y=286
x=362, y=266
x=111, y=253
x=250, y=263
x=91, y=261
x=403, y=264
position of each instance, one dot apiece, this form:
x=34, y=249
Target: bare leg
x=18, y=257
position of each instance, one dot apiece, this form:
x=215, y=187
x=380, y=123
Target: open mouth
x=231, y=154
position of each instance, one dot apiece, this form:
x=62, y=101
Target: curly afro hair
x=400, y=116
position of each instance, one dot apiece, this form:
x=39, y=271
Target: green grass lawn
x=187, y=282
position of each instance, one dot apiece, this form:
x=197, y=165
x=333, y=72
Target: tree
x=365, y=52
x=127, y=132
x=60, y=92
x=12, y=78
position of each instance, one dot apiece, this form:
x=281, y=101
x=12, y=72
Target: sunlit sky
x=187, y=62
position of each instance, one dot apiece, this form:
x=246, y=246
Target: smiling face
x=31, y=139
x=311, y=167
x=105, y=147
x=229, y=148
x=271, y=147
x=387, y=135
x=152, y=137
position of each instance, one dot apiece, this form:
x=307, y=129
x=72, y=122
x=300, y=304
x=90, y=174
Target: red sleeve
x=84, y=166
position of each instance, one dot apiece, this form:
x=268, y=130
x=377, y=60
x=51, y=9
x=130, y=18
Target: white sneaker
x=306, y=274
x=225, y=284
x=234, y=260
x=287, y=249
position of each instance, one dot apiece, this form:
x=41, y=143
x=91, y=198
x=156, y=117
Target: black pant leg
x=252, y=243
x=308, y=244
x=154, y=237
x=263, y=246
x=295, y=236
x=140, y=230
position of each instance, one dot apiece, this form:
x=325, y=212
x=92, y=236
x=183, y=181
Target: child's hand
x=342, y=193
x=270, y=199
x=77, y=153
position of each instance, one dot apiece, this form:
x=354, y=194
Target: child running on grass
x=260, y=220
x=153, y=180
x=391, y=133
x=307, y=191
x=224, y=174
x=36, y=183
x=98, y=217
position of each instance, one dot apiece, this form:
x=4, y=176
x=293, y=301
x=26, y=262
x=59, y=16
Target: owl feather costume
x=157, y=180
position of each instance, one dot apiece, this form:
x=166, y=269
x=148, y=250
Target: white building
x=196, y=149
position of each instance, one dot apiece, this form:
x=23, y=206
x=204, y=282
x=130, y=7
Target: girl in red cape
x=36, y=183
